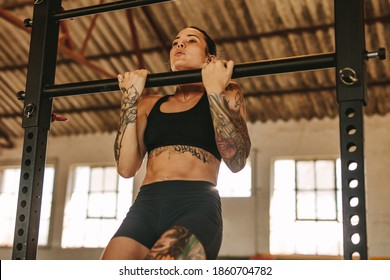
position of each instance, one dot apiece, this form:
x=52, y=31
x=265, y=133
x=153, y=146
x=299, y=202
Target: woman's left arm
x=228, y=112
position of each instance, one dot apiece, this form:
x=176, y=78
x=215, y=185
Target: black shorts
x=159, y=206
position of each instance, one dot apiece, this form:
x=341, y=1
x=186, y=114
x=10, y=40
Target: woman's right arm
x=129, y=148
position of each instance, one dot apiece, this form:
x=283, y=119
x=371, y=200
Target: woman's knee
x=124, y=248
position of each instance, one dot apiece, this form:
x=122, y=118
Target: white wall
x=246, y=220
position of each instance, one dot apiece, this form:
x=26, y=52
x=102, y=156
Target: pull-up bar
x=102, y=8
x=294, y=64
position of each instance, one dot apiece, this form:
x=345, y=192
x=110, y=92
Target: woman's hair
x=211, y=46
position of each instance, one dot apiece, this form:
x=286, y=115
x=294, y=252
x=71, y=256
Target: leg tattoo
x=177, y=243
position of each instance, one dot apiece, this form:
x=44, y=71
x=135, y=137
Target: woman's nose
x=180, y=45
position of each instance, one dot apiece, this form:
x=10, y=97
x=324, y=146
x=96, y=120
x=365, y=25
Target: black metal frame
x=351, y=96
x=36, y=123
x=349, y=61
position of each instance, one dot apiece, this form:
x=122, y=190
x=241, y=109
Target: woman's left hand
x=216, y=75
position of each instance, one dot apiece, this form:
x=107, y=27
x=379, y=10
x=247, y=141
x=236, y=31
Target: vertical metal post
x=36, y=122
x=351, y=95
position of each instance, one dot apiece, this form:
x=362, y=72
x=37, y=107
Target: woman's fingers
x=230, y=66
x=217, y=74
x=218, y=63
x=141, y=73
x=133, y=81
x=120, y=78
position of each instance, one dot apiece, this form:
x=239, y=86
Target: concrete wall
x=246, y=220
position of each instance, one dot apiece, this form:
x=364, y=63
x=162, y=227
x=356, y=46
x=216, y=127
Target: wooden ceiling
x=100, y=46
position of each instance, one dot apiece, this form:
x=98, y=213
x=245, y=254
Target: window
x=316, y=190
x=9, y=189
x=305, y=207
x=235, y=184
x=98, y=203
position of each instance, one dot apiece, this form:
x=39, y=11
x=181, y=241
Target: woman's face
x=188, y=50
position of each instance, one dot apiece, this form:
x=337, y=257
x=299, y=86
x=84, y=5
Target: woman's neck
x=187, y=92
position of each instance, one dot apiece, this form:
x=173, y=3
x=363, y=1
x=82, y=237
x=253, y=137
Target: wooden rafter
x=76, y=56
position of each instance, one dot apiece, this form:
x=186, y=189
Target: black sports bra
x=193, y=127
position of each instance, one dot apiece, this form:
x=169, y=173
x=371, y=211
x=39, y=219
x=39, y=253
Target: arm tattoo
x=130, y=98
x=230, y=130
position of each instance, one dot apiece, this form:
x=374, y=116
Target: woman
x=177, y=213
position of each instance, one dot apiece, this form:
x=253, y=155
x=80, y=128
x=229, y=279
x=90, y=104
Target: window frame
x=293, y=243
x=316, y=191
x=70, y=190
x=14, y=164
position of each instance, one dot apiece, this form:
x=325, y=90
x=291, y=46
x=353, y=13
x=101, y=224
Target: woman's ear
x=210, y=58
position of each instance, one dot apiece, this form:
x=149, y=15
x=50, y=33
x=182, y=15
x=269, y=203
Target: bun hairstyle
x=211, y=46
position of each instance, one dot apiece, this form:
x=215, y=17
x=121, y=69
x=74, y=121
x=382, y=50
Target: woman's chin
x=181, y=65
x=184, y=67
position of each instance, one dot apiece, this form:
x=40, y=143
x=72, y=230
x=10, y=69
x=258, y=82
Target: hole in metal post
x=350, y=113
x=353, y=183
x=355, y=256
x=351, y=130
x=351, y=147
x=352, y=165
x=354, y=201
x=23, y=203
x=354, y=220
x=355, y=238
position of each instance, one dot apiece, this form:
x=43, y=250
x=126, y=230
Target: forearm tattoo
x=198, y=153
x=130, y=98
x=230, y=130
x=177, y=243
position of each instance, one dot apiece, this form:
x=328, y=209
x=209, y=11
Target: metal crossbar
x=103, y=8
x=302, y=63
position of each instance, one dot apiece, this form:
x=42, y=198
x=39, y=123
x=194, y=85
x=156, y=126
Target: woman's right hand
x=132, y=84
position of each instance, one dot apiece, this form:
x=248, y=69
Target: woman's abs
x=181, y=162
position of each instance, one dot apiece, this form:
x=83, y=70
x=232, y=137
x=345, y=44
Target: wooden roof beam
x=64, y=49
